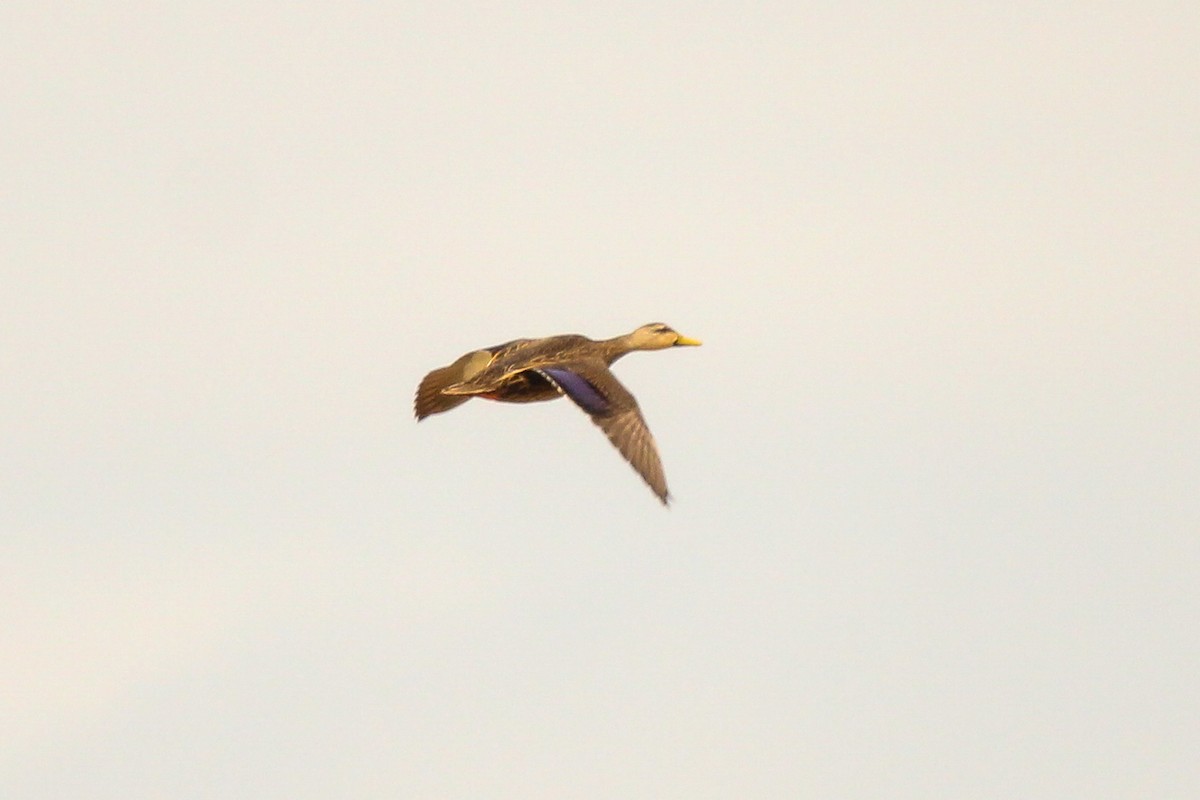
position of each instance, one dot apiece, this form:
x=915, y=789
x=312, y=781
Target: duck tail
x=430, y=400
x=430, y=397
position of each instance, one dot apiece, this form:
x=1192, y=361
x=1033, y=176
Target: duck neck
x=616, y=347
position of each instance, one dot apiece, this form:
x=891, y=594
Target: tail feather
x=430, y=400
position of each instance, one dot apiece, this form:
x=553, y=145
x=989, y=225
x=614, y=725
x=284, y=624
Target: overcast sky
x=936, y=468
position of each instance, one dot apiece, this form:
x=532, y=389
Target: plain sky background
x=936, y=469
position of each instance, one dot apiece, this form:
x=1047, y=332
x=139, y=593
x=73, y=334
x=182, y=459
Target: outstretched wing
x=610, y=405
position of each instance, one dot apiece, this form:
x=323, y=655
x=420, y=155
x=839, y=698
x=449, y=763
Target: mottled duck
x=532, y=370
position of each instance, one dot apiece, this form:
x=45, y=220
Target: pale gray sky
x=936, y=468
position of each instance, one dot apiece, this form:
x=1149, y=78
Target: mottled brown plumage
x=532, y=370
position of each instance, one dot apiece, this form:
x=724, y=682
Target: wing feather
x=615, y=411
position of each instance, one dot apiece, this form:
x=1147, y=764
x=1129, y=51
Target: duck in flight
x=531, y=370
